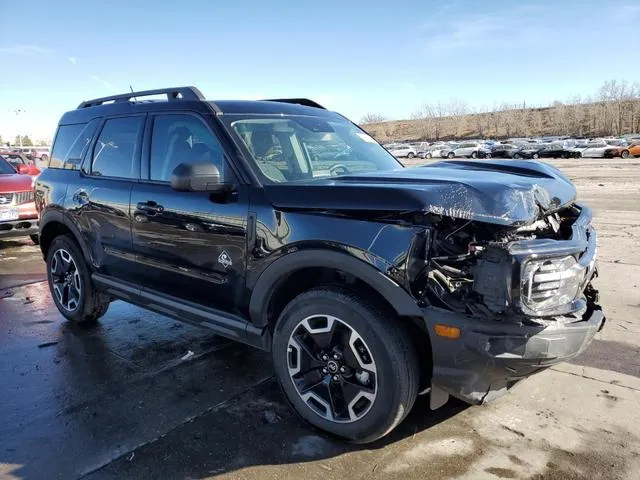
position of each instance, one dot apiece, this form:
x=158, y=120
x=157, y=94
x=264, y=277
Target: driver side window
x=180, y=139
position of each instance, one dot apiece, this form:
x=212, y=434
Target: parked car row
x=38, y=155
x=521, y=148
x=18, y=214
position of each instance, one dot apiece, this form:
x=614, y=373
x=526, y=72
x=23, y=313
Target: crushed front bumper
x=490, y=357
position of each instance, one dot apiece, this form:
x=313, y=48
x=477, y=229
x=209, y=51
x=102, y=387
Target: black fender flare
x=274, y=275
x=58, y=216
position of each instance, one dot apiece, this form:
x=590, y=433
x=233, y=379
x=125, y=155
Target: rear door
x=189, y=245
x=99, y=197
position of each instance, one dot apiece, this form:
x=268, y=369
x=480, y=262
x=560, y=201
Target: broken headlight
x=548, y=285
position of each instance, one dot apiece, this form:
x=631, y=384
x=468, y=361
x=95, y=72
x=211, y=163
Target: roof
x=189, y=98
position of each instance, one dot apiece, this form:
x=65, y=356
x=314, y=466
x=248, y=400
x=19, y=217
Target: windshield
x=6, y=168
x=291, y=148
x=13, y=159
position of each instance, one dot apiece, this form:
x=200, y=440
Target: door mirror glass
x=197, y=177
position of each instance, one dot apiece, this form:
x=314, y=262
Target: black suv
x=283, y=225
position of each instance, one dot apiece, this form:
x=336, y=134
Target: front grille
x=24, y=197
x=17, y=198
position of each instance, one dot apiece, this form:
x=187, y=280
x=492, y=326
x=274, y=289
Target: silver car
x=401, y=150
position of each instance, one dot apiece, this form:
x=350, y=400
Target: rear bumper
x=490, y=357
x=18, y=228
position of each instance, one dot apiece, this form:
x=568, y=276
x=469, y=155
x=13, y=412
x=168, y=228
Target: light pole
x=18, y=112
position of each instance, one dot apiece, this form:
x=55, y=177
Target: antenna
x=134, y=98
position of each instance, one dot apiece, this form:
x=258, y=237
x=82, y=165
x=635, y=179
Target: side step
x=224, y=324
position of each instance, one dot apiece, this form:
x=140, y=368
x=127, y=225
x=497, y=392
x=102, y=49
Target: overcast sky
x=353, y=56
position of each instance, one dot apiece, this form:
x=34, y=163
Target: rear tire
x=625, y=154
x=474, y=155
x=410, y=155
x=535, y=156
x=451, y=155
x=428, y=155
x=362, y=371
x=70, y=283
x=517, y=156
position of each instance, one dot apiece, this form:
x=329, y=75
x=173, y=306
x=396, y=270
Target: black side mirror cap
x=197, y=177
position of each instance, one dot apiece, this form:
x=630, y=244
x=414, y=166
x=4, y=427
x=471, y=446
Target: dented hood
x=505, y=192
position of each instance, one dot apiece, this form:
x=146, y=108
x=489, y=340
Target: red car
x=18, y=214
x=21, y=162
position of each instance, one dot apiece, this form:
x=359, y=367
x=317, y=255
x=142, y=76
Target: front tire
x=344, y=365
x=410, y=155
x=428, y=155
x=625, y=154
x=535, y=156
x=35, y=238
x=517, y=156
x=474, y=155
x=70, y=283
x=451, y=155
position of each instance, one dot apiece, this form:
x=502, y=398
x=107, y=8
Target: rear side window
x=115, y=153
x=71, y=143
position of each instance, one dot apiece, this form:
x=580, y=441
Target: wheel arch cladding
x=276, y=275
x=54, y=224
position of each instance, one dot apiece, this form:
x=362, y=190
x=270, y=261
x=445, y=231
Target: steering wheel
x=338, y=169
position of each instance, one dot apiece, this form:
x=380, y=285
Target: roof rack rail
x=176, y=93
x=298, y=101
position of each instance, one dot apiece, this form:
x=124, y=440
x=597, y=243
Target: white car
x=470, y=150
x=401, y=150
x=595, y=149
x=434, y=151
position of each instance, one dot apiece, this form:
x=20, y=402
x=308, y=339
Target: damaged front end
x=519, y=297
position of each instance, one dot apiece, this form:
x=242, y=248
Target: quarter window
x=71, y=143
x=115, y=151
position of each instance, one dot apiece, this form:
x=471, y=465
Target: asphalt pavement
x=128, y=399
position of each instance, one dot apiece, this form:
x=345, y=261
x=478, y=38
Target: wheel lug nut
x=336, y=356
x=324, y=370
x=325, y=357
x=343, y=369
x=336, y=378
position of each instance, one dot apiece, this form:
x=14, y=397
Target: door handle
x=150, y=208
x=81, y=197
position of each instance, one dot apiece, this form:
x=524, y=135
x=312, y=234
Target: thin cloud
x=104, y=83
x=470, y=30
x=24, y=50
x=73, y=60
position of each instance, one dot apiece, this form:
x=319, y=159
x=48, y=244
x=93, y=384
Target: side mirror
x=23, y=169
x=197, y=177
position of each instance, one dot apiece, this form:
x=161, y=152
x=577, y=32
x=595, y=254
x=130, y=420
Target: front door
x=190, y=245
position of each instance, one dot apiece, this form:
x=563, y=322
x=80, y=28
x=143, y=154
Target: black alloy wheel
x=332, y=368
x=70, y=282
x=345, y=364
x=65, y=280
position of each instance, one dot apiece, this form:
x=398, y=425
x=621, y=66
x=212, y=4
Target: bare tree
x=372, y=118
x=457, y=110
x=425, y=121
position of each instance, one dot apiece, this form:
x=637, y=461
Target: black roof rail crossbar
x=183, y=93
x=298, y=101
